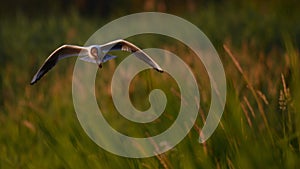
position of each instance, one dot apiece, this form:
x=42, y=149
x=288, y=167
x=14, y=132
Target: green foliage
x=39, y=127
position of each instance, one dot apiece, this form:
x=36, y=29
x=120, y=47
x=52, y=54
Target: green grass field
x=260, y=126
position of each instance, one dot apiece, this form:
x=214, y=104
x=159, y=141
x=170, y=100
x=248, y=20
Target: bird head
x=95, y=54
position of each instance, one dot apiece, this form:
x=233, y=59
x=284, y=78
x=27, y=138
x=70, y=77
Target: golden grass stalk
x=249, y=106
x=251, y=88
x=263, y=97
x=246, y=114
x=162, y=158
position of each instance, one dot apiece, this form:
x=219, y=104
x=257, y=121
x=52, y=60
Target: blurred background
x=261, y=121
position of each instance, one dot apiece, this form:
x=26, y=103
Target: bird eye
x=94, y=52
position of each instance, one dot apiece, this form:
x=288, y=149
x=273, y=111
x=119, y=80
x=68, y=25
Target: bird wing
x=60, y=53
x=124, y=45
x=88, y=59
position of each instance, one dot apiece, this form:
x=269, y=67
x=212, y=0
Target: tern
x=94, y=54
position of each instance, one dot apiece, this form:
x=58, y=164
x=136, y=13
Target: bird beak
x=99, y=63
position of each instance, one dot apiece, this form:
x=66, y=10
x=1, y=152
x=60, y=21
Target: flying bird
x=95, y=54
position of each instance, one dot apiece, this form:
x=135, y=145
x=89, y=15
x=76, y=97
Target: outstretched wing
x=124, y=45
x=60, y=53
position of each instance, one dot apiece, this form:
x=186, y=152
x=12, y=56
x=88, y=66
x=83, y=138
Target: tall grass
x=39, y=127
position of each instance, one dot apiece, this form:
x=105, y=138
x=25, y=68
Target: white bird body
x=94, y=54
